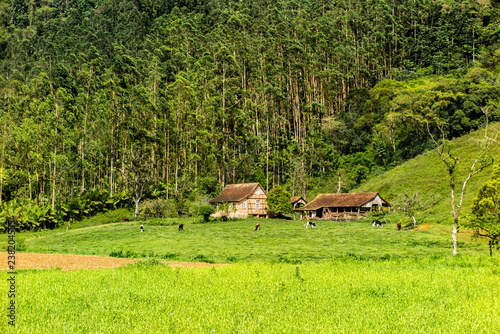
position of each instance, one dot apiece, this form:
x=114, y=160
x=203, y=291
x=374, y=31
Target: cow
x=125, y=219
x=142, y=228
x=377, y=223
x=181, y=227
x=312, y=224
x=257, y=227
x=399, y=226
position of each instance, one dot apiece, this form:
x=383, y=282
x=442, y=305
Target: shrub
x=116, y=253
x=131, y=254
x=206, y=211
x=278, y=200
x=157, y=208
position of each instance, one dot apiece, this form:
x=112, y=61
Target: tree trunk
x=454, y=234
x=54, y=180
x=138, y=194
x=136, y=201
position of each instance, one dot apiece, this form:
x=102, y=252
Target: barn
x=343, y=207
x=244, y=199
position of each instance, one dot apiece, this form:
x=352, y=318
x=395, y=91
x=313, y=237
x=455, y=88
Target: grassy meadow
x=236, y=241
x=428, y=295
x=337, y=278
x=426, y=174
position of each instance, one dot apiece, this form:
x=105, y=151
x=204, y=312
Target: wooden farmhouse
x=342, y=207
x=245, y=199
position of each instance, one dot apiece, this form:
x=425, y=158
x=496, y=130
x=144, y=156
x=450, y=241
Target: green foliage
x=176, y=99
x=31, y=216
x=487, y=202
x=28, y=217
x=486, y=208
x=124, y=253
x=157, y=208
x=206, y=211
x=278, y=200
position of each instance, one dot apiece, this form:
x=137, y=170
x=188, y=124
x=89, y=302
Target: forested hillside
x=178, y=95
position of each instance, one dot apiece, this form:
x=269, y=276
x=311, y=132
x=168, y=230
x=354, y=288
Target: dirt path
x=75, y=262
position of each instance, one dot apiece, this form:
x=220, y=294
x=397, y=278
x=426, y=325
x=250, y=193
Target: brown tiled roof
x=235, y=192
x=339, y=201
x=294, y=199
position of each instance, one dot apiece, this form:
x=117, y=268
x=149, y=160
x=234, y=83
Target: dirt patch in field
x=75, y=262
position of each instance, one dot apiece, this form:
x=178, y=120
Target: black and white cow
x=377, y=223
x=312, y=224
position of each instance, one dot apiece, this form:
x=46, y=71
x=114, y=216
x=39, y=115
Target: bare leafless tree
x=451, y=160
x=412, y=204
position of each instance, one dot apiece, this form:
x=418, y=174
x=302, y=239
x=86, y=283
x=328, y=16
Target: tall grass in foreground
x=445, y=295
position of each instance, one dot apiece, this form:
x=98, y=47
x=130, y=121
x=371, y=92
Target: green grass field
x=429, y=295
x=337, y=278
x=235, y=241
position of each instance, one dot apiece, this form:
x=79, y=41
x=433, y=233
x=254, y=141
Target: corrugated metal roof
x=339, y=201
x=236, y=192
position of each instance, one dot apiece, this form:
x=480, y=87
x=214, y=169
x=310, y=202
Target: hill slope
x=427, y=175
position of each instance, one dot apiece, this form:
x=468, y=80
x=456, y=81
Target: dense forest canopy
x=193, y=94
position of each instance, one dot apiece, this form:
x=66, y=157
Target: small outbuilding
x=344, y=207
x=297, y=202
x=243, y=200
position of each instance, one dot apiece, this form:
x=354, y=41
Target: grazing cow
x=142, y=228
x=181, y=227
x=399, y=226
x=126, y=219
x=312, y=224
x=257, y=227
x=377, y=223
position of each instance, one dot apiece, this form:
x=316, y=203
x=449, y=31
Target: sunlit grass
x=277, y=241
x=457, y=295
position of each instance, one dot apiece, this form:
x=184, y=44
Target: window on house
x=257, y=191
x=257, y=204
x=244, y=205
